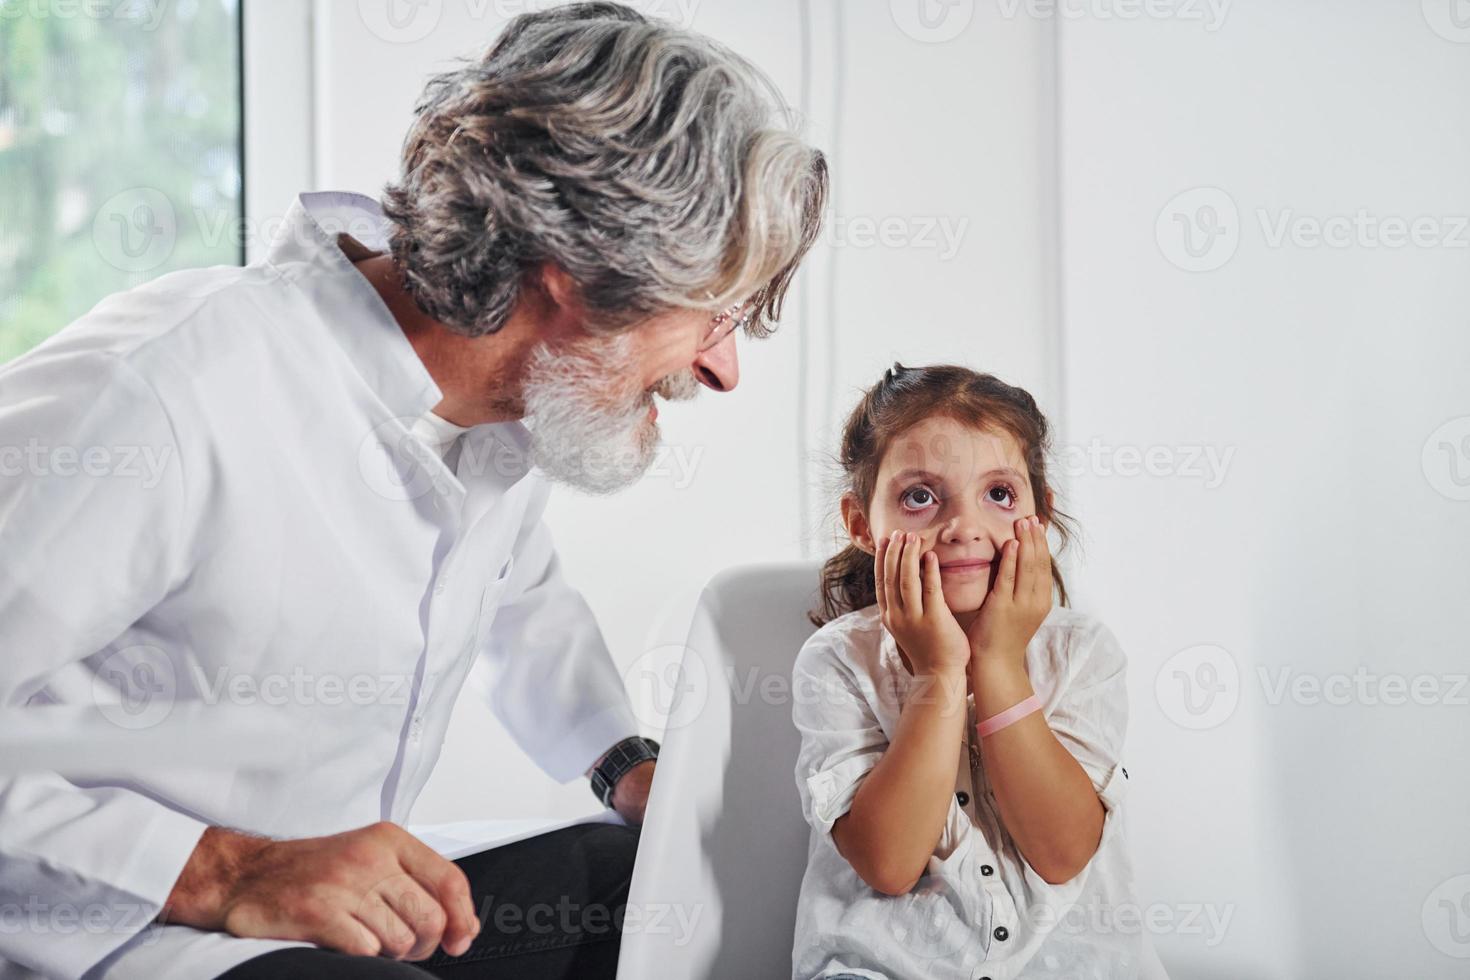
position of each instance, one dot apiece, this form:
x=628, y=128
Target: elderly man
x=353, y=439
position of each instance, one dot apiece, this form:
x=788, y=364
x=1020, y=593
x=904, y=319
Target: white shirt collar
x=437, y=432
x=306, y=252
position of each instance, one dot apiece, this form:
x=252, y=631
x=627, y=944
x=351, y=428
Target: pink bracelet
x=1009, y=716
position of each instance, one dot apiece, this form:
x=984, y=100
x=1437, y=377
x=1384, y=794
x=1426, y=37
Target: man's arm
x=87, y=546
x=377, y=889
x=549, y=676
x=88, y=550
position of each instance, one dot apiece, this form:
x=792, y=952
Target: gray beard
x=589, y=419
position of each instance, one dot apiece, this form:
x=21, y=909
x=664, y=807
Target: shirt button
x=963, y=797
x=986, y=870
x=1002, y=933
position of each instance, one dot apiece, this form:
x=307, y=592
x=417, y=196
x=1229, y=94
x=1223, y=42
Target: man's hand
x=377, y=889
x=630, y=795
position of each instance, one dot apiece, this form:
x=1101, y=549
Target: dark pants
x=550, y=907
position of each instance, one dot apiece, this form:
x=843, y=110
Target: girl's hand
x=913, y=607
x=1017, y=603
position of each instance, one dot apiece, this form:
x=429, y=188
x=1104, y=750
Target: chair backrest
x=724, y=844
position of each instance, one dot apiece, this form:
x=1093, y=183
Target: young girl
x=961, y=737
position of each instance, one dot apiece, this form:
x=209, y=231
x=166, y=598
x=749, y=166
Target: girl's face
x=961, y=489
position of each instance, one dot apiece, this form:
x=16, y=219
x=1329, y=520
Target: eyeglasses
x=720, y=327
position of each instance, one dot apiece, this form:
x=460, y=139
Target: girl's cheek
x=894, y=520
x=918, y=521
x=884, y=529
x=928, y=538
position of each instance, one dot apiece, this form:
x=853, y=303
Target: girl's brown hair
x=905, y=397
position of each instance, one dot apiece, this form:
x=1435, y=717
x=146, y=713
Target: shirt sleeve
x=548, y=674
x=90, y=500
x=841, y=737
x=1091, y=716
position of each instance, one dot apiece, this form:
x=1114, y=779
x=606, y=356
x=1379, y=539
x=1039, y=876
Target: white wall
x=1333, y=833
x=938, y=251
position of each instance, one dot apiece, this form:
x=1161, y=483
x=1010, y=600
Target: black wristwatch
x=619, y=759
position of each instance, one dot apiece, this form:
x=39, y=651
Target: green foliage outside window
x=119, y=152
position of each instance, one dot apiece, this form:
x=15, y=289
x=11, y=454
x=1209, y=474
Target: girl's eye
x=917, y=498
x=1002, y=494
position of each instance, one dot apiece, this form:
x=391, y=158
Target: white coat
x=209, y=492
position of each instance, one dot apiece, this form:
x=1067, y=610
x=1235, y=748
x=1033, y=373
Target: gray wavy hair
x=658, y=168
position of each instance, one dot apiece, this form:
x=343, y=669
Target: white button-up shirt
x=210, y=492
x=980, y=911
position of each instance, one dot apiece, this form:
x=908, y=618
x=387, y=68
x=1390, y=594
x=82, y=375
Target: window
x=120, y=152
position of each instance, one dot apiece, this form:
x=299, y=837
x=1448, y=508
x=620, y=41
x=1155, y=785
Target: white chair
x=724, y=844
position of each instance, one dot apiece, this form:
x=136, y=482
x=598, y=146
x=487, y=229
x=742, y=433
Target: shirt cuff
x=574, y=752
x=832, y=789
x=157, y=842
x=1112, y=787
